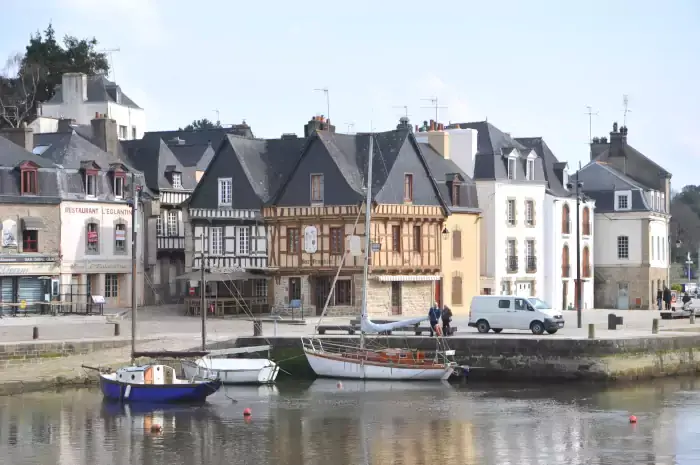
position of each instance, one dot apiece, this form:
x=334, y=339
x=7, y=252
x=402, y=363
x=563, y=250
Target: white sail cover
x=367, y=326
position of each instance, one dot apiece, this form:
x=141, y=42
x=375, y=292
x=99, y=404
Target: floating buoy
x=339, y=385
x=156, y=428
x=247, y=412
x=633, y=419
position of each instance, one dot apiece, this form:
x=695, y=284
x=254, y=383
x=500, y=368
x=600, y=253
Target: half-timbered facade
x=316, y=224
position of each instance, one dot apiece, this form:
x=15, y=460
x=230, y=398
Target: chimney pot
x=432, y=125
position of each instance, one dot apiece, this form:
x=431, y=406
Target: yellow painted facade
x=462, y=269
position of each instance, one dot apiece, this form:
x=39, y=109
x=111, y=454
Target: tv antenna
x=625, y=105
x=435, y=106
x=405, y=109
x=328, y=101
x=218, y=120
x=110, y=61
x=350, y=126
x=590, y=122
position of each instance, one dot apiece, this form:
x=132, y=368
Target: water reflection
x=363, y=423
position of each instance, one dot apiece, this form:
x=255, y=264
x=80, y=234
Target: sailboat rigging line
x=335, y=279
x=239, y=298
x=368, y=238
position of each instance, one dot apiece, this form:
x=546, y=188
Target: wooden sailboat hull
x=156, y=393
x=336, y=366
x=232, y=370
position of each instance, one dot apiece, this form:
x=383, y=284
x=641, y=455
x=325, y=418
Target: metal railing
x=512, y=264
x=531, y=265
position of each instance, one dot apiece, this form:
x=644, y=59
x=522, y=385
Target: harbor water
x=352, y=423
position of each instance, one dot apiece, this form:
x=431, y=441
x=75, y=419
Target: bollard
x=257, y=328
x=591, y=331
x=35, y=332
x=692, y=318
x=655, y=326
x=116, y=329
x=275, y=328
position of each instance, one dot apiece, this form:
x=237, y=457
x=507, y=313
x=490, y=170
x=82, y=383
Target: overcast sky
x=531, y=66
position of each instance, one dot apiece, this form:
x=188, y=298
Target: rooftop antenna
x=328, y=101
x=110, y=61
x=405, y=109
x=590, y=122
x=625, y=104
x=351, y=126
x=434, y=105
x=218, y=120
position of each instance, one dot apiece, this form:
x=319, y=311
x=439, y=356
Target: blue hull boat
x=147, y=384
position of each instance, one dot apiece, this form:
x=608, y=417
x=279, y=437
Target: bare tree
x=19, y=83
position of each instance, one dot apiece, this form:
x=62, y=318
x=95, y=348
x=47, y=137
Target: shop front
x=28, y=283
x=110, y=279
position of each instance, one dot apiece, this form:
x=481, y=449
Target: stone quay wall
x=21, y=353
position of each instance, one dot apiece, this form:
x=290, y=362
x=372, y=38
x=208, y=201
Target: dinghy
x=233, y=370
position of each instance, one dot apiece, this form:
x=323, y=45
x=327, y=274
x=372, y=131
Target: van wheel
x=497, y=330
x=537, y=327
x=551, y=331
x=483, y=326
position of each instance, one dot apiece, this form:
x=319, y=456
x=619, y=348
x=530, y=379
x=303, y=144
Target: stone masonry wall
x=639, y=281
x=37, y=352
x=50, y=236
x=416, y=298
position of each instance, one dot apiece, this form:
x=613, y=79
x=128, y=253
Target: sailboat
x=153, y=383
x=345, y=360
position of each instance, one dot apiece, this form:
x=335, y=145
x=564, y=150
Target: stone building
x=632, y=249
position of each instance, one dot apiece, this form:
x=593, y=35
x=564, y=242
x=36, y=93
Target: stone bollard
x=257, y=328
x=116, y=329
x=591, y=331
x=655, y=326
x=35, y=332
x=692, y=318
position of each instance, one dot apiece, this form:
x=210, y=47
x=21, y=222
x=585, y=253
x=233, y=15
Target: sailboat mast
x=203, y=301
x=368, y=239
x=134, y=218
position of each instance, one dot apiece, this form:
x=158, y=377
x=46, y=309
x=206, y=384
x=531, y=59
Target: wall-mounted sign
x=121, y=266
x=9, y=233
x=355, y=245
x=310, y=239
x=97, y=210
x=33, y=269
x=25, y=259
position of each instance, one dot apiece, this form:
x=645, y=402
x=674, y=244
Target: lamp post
x=578, y=186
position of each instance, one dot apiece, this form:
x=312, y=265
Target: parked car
x=499, y=312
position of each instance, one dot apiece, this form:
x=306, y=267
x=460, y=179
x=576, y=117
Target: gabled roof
x=552, y=168
x=493, y=147
x=99, y=89
x=601, y=181
x=153, y=157
x=193, y=155
x=445, y=171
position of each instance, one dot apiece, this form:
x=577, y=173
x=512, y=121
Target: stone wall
x=37, y=352
x=50, y=236
x=607, y=282
x=416, y=298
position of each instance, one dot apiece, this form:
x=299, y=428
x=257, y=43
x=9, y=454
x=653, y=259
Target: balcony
x=586, y=271
x=512, y=264
x=566, y=227
x=531, y=266
x=566, y=271
x=587, y=228
x=170, y=243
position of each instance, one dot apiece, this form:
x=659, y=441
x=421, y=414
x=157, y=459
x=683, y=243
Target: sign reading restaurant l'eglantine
x=97, y=210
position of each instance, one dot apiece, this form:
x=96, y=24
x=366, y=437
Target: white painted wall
x=608, y=227
x=44, y=124
x=463, y=148
x=658, y=243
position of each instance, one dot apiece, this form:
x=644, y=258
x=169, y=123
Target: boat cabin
x=147, y=374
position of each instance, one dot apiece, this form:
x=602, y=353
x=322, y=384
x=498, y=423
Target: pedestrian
x=686, y=301
x=446, y=318
x=667, y=298
x=434, y=317
x=659, y=299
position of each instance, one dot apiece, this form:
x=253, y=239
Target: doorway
x=623, y=296
x=323, y=288
x=564, y=294
x=396, y=297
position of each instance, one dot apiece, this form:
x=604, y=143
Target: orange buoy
x=339, y=385
x=156, y=428
x=633, y=419
x=247, y=412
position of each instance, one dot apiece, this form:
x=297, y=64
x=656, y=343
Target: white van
x=499, y=312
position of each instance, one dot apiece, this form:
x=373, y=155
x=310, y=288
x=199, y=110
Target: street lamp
x=577, y=187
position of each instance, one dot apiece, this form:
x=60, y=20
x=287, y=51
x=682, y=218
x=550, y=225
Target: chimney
x=104, y=134
x=618, y=140
x=432, y=125
x=22, y=136
x=404, y=123
x=65, y=125
x=318, y=123
x=74, y=87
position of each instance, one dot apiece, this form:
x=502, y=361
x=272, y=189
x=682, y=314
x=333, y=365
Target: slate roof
x=153, y=157
x=442, y=169
x=11, y=156
x=99, y=89
x=72, y=149
x=192, y=155
x=553, y=169
x=601, y=181
x=492, y=149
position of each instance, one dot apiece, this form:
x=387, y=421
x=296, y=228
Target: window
x=316, y=188
x=172, y=223
x=28, y=181
x=225, y=192
x=118, y=185
x=511, y=168
x=159, y=225
x=456, y=243
x=133, y=132
x=456, y=290
x=586, y=220
x=503, y=303
x=122, y=132
x=177, y=180
x=294, y=289
x=292, y=240
x=337, y=246
x=456, y=201
x=623, y=247
x=30, y=241
x=529, y=213
x=408, y=188
x=416, y=238
x=653, y=247
x=565, y=263
x=93, y=244
x=91, y=184
x=586, y=262
x=243, y=240
x=565, y=219
x=530, y=170
x=343, y=292
x=623, y=202
x=511, y=212
x=120, y=238
x=111, y=285
x=217, y=240
x=663, y=202
x=260, y=288
x=396, y=238
x=512, y=259
x=530, y=258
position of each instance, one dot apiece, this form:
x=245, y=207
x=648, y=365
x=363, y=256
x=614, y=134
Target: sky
x=530, y=67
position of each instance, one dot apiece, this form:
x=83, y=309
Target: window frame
x=29, y=184
x=111, y=285
x=417, y=238
x=510, y=212
x=117, y=250
x=336, y=240
x=216, y=241
x=339, y=291
x=530, y=169
x=623, y=244
x=243, y=240
x=316, y=188
x=91, y=175
x=529, y=212
x=395, y=238
x=176, y=177
x=88, y=249
x=457, y=290
x=222, y=183
x=456, y=244
x=119, y=184
x=172, y=225
x=512, y=166
x=26, y=241
x=293, y=240
x=408, y=187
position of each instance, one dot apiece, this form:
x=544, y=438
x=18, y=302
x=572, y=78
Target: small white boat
x=233, y=370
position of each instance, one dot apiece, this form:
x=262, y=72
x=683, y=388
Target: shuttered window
x=456, y=290
x=457, y=244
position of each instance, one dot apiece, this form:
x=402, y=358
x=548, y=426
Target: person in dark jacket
x=686, y=301
x=434, y=317
x=667, y=298
x=446, y=318
x=660, y=299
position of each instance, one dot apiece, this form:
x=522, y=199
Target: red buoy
x=339, y=385
x=633, y=419
x=247, y=412
x=156, y=428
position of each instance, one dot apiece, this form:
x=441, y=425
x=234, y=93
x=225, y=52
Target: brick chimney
x=404, y=123
x=318, y=123
x=618, y=140
x=104, y=133
x=22, y=136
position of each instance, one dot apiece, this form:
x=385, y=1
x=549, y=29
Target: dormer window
x=91, y=183
x=456, y=193
x=28, y=178
x=177, y=180
x=530, y=169
x=511, y=167
x=119, y=183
